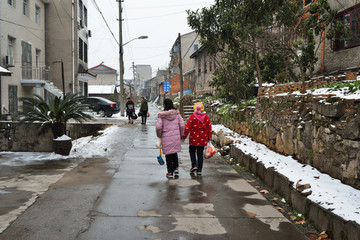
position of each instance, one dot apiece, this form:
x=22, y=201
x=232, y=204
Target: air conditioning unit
x=9, y=61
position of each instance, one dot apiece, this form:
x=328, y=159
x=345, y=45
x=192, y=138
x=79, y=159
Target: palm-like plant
x=55, y=113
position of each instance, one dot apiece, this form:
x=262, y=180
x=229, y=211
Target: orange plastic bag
x=209, y=150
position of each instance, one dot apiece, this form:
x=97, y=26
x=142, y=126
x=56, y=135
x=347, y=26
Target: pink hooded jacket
x=170, y=128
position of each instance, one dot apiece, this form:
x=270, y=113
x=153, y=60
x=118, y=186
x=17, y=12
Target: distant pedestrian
x=130, y=109
x=170, y=129
x=199, y=127
x=144, y=110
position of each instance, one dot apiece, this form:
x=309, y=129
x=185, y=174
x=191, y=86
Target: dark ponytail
x=168, y=104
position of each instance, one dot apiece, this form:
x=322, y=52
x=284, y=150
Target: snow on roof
x=101, y=89
x=4, y=70
x=330, y=193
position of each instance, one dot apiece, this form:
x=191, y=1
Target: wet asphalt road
x=127, y=196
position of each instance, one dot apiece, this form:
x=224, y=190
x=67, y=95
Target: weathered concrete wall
x=323, y=132
x=27, y=138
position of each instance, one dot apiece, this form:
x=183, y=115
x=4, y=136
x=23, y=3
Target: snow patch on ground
x=341, y=93
x=328, y=192
x=82, y=148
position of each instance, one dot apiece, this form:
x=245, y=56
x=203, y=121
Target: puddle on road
x=196, y=219
x=184, y=182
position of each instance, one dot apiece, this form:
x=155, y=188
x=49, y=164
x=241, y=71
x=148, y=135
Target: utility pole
x=134, y=76
x=121, y=62
x=181, y=70
x=63, y=78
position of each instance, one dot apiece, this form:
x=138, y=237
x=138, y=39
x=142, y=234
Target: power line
x=107, y=25
x=39, y=29
x=190, y=46
x=169, y=6
x=158, y=16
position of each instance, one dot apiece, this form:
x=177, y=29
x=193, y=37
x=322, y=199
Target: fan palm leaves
x=56, y=112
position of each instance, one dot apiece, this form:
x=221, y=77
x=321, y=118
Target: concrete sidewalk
x=141, y=203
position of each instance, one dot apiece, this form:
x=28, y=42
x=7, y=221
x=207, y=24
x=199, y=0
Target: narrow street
x=127, y=196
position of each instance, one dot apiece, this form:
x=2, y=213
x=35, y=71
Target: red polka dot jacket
x=199, y=127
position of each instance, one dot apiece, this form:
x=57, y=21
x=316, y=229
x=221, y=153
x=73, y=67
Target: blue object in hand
x=160, y=160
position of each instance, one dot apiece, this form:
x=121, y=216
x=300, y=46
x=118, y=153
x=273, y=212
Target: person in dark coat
x=144, y=110
x=130, y=109
x=199, y=127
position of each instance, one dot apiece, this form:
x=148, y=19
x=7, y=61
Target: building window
x=199, y=66
x=13, y=99
x=80, y=11
x=25, y=7
x=81, y=52
x=37, y=15
x=85, y=16
x=26, y=60
x=37, y=58
x=196, y=47
x=351, y=20
x=11, y=51
x=85, y=53
x=11, y=2
x=205, y=63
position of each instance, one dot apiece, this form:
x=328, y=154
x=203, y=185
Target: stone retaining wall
x=26, y=138
x=297, y=86
x=323, y=131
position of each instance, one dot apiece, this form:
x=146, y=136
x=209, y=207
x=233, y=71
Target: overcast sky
x=160, y=20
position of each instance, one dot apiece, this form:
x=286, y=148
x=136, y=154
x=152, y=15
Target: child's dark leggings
x=199, y=153
x=172, y=162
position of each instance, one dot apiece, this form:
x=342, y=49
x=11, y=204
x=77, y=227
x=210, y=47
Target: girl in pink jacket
x=170, y=128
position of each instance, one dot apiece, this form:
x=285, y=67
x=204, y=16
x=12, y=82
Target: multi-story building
x=342, y=55
x=36, y=36
x=67, y=37
x=22, y=51
x=161, y=76
x=142, y=75
x=205, y=65
x=189, y=44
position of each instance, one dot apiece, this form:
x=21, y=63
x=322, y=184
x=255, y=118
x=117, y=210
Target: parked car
x=102, y=106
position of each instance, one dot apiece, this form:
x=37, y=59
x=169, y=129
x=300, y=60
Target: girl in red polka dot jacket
x=199, y=127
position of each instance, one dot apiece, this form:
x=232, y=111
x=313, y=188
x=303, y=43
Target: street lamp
x=121, y=63
x=141, y=37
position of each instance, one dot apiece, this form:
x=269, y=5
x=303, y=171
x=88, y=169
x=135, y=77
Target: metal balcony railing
x=36, y=73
